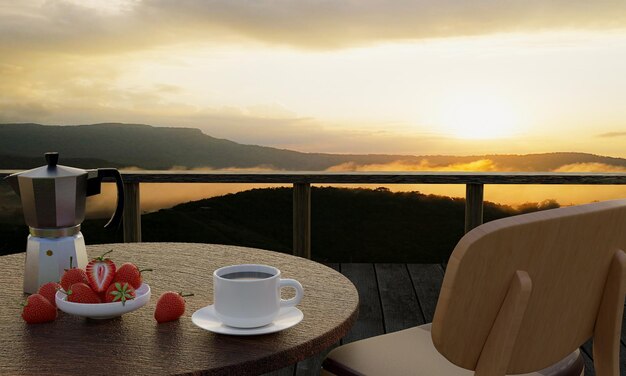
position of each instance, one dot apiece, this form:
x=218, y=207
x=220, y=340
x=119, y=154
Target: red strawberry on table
x=48, y=291
x=73, y=275
x=82, y=293
x=119, y=292
x=170, y=306
x=100, y=272
x=130, y=273
x=38, y=309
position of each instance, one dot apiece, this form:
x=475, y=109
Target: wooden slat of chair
x=606, y=344
x=496, y=354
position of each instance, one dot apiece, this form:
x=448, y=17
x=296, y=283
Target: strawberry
x=170, y=306
x=48, y=291
x=38, y=309
x=130, y=273
x=119, y=293
x=100, y=272
x=73, y=275
x=82, y=293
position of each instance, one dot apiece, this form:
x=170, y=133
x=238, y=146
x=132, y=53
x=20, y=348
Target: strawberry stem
x=101, y=257
x=71, y=262
x=145, y=270
x=185, y=295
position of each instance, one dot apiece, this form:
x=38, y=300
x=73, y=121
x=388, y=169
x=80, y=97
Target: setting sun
x=479, y=117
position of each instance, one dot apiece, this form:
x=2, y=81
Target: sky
x=368, y=76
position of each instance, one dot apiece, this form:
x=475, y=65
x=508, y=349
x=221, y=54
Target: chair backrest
x=566, y=252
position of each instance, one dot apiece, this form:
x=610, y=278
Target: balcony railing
x=473, y=181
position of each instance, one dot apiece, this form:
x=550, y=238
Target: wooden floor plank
x=370, y=321
x=427, y=279
x=399, y=303
x=287, y=371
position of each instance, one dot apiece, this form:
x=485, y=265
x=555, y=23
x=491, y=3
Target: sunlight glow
x=479, y=116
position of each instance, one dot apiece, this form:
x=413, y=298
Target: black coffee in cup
x=247, y=275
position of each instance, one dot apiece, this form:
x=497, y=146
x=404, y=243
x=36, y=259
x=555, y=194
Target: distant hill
x=348, y=225
x=118, y=145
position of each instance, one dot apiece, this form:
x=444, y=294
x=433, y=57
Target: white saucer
x=205, y=318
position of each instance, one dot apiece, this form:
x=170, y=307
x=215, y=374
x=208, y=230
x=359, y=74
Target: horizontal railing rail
x=474, y=182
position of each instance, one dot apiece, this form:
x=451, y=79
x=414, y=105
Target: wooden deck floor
x=395, y=297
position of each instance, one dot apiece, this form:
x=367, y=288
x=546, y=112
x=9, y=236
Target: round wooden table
x=135, y=344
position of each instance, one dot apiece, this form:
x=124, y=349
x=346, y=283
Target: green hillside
x=348, y=225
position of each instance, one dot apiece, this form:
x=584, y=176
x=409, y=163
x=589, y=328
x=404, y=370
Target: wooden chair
x=520, y=295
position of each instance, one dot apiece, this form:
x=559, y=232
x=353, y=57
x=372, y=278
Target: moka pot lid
x=52, y=196
x=52, y=170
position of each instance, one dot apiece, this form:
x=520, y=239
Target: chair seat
x=411, y=352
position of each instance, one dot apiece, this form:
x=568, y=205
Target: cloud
x=154, y=199
x=482, y=165
x=478, y=165
x=612, y=134
x=75, y=26
x=590, y=167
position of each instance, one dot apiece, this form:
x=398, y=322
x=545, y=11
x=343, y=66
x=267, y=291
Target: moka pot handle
x=116, y=219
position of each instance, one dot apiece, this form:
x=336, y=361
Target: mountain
x=159, y=148
x=347, y=225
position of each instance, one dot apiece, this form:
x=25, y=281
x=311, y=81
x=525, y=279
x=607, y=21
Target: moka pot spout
x=14, y=183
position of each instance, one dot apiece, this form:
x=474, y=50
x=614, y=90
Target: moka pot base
x=47, y=257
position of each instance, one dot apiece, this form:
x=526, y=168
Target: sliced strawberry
x=119, y=292
x=100, y=272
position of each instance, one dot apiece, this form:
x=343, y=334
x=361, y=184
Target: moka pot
x=53, y=201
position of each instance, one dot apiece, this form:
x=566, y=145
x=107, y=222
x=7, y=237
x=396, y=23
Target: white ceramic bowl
x=104, y=310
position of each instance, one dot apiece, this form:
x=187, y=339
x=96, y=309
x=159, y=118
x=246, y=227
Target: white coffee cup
x=248, y=295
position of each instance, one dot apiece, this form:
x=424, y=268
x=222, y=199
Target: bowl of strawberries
x=102, y=291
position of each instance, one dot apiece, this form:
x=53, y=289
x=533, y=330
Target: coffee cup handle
x=299, y=292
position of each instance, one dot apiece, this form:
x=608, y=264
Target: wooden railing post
x=132, y=213
x=302, y=220
x=473, y=206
